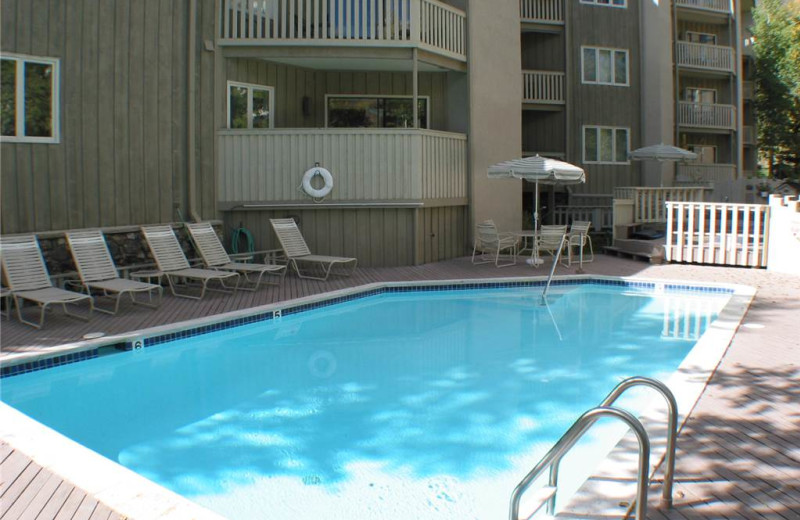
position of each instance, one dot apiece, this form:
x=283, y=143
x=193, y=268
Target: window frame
x=19, y=88
x=701, y=155
x=698, y=34
x=378, y=96
x=700, y=91
x=610, y=3
x=613, y=129
x=250, y=87
x=613, y=51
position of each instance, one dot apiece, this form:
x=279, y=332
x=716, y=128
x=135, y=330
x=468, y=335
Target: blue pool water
x=404, y=405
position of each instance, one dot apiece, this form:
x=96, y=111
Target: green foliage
x=776, y=31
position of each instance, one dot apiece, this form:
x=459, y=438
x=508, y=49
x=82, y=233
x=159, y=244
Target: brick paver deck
x=738, y=453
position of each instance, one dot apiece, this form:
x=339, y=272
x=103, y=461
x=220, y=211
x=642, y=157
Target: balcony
x=427, y=24
x=706, y=115
x=749, y=90
x=370, y=167
x=705, y=173
x=543, y=87
x=715, y=58
x=749, y=136
x=545, y=12
x=713, y=6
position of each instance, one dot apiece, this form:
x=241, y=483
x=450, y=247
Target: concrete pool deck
x=738, y=453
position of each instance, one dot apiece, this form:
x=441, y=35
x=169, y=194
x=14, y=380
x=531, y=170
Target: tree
x=776, y=33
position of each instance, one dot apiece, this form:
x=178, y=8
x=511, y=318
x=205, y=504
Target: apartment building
x=134, y=112
x=603, y=77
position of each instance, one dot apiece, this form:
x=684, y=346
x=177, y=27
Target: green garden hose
x=236, y=237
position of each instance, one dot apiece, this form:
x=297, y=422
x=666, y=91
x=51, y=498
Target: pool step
x=535, y=501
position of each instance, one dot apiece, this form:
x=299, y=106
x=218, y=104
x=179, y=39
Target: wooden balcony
x=546, y=12
x=705, y=173
x=706, y=115
x=714, y=6
x=427, y=24
x=749, y=135
x=749, y=90
x=717, y=58
x=370, y=167
x=543, y=87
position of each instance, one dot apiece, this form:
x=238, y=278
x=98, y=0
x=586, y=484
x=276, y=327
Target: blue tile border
x=23, y=368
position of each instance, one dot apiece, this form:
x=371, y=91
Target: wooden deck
x=738, y=453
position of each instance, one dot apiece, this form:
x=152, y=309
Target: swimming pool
x=410, y=404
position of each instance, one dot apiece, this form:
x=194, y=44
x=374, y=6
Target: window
x=699, y=37
x=29, y=99
x=705, y=154
x=604, y=66
x=374, y=112
x=607, y=3
x=605, y=144
x=700, y=95
x=250, y=106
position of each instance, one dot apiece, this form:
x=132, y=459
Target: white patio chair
x=490, y=245
x=214, y=256
x=173, y=264
x=548, y=239
x=98, y=273
x=297, y=251
x=28, y=279
x=579, y=238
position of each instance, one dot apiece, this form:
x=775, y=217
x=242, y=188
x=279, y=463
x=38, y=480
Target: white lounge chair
x=28, y=279
x=579, y=238
x=490, y=245
x=98, y=273
x=214, y=256
x=297, y=252
x=173, y=264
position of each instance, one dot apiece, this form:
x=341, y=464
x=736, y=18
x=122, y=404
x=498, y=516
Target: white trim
x=55, y=97
x=597, y=81
x=379, y=96
x=700, y=90
x=250, y=88
x=610, y=3
x=613, y=129
x=687, y=38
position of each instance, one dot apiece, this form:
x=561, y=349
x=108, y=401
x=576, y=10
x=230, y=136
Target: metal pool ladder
x=547, y=495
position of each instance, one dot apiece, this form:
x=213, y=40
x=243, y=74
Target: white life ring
x=311, y=190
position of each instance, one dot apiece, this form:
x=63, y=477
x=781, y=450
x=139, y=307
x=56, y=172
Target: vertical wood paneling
x=121, y=158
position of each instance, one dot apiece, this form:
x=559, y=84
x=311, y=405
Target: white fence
x=542, y=11
x=378, y=23
x=704, y=56
x=722, y=6
x=706, y=115
x=368, y=165
x=601, y=217
x=545, y=87
x=648, y=203
x=715, y=233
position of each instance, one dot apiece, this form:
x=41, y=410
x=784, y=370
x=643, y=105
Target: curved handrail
x=568, y=440
x=553, y=268
x=672, y=425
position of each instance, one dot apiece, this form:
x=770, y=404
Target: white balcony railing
x=648, y=203
x=704, y=56
x=719, y=6
x=542, y=11
x=749, y=135
x=601, y=217
x=706, y=115
x=375, y=166
x=716, y=233
x=705, y=173
x=543, y=87
x=429, y=24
